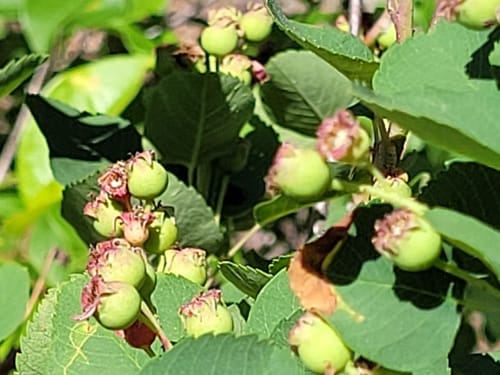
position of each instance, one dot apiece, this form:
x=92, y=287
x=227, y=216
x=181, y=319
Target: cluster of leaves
x=440, y=86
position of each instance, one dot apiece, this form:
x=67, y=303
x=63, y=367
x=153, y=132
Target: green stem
x=220, y=198
x=452, y=269
x=162, y=262
x=393, y=199
x=204, y=179
x=242, y=241
x=151, y=320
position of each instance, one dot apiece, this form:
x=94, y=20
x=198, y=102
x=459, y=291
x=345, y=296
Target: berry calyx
x=147, y=179
x=408, y=239
x=116, y=260
x=206, y=314
x=135, y=225
x=318, y=345
x=162, y=234
x=395, y=185
x=104, y=211
x=299, y=173
x=341, y=138
x=256, y=23
x=238, y=66
x=189, y=263
x=113, y=182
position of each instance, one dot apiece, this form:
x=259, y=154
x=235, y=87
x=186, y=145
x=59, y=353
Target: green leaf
x=194, y=118
x=494, y=57
x=303, y=90
x=248, y=279
x=77, y=136
x=193, y=217
x=387, y=314
x=469, y=234
x=97, y=87
x=276, y=208
x=15, y=72
x=12, y=303
x=342, y=50
x=274, y=303
x=469, y=188
x=170, y=293
x=225, y=355
x=422, y=85
x=239, y=323
x=280, y=262
x=56, y=344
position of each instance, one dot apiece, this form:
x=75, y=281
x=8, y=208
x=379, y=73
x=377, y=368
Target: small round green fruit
x=189, y=263
x=219, y=40
x=256, y=24
x=147, y=179
x=162, y=235
x=477, y=14
x=119, y=306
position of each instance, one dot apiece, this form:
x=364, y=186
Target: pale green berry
x=219, y=40
x=147, y=179
x=162, y=234
x=189, y=263
x=119, y=306
x=477, y=14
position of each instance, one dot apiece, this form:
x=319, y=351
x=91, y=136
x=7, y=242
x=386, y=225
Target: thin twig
x=401, y=12
x=242, y=241
x=382, y=24
x=354, y=16
x=9, y=149
x=39, y=286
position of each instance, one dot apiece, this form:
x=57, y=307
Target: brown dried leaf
x=314, y=291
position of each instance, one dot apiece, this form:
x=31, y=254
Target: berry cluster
x=139, y=231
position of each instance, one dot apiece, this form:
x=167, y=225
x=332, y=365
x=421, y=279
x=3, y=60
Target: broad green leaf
x=283, y=328
x=42, y=21
x=303, y=90
x=231, y=293
x=342, y=50
x=469, y=188
x=17, y=71
x=12, y=301
x=274, y=303
x=387, y=314
x=96, y=87
x=239, y=323
x=248, y=279
x=469, y=234
x=80, y=142
x=56, y=344
x=225, y=355
x=193, y=217
x=170, y=293
x=10, y=203
x=422, y=85
x=280, y=262
x=194, y=118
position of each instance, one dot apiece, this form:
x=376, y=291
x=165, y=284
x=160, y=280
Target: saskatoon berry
x=119, y=306
x=189, y=263
x=219, y=40
x=477, y=13
x=147, y=179
x=256, y=24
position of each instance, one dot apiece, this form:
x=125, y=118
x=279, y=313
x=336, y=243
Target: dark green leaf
x=82, y=136
x=470, y=188
x=12, y=302
x=193, y=217
x=344, y=51
x=279, y=263
x=303, y=90
x=194, y=118
x=274, y=209
x=225, y=355
x=17, y=71
x=248, y=279
x=170, y=293
x=468, y=234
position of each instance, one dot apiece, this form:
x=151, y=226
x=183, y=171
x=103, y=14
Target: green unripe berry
x=105, y=213
x=162, y=235
x=408, y=239
x=206, y=314
x=219, y=41
x=299, y=173
x=318, y=344
x=394, y=185
x=119, y=307
x=147, y=179
x=256, y=25
x=189, y=263
x=388, y=37
x=477, y=14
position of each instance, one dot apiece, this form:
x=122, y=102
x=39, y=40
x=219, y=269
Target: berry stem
x=162, y=262
x=220, y=198
x=151, y=320
x=452, y=269
x=395, y=200
x=242, y=241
